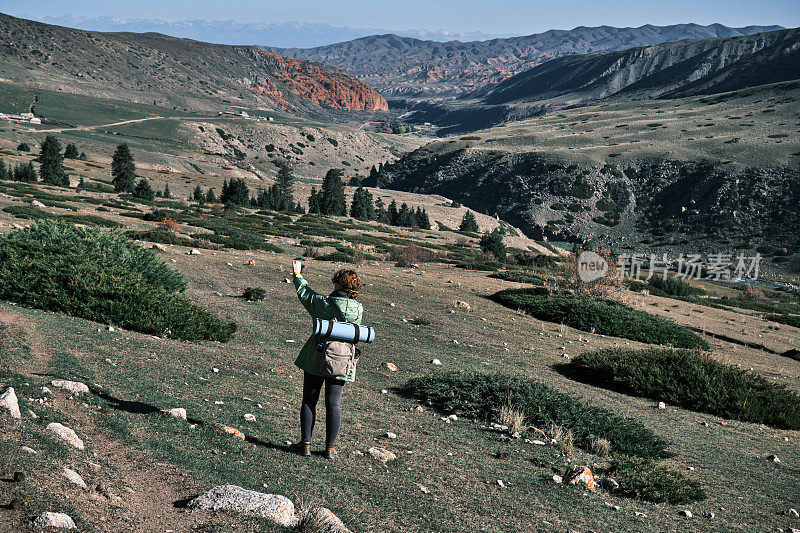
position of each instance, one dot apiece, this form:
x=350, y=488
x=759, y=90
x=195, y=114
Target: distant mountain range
x=273, y=34
x=669, y=70
x=416, y=70
x=167, y=71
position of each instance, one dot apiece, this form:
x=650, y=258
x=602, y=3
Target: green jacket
x=319, y=306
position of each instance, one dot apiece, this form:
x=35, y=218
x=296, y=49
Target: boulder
x=231, y=431
x=322, y=520
x=391, y=367
x=75, y=387
x=8, y=400
x=54, y=520
x=75, y=478
x=463, y=305
x=177, y=412
x=160, y=247
x=37, y=204
x=580, y=474
x=273, y=507
x=66, y=434
x=382, y=454
x=193, y=251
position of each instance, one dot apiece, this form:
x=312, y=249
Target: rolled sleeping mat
x=343, y=331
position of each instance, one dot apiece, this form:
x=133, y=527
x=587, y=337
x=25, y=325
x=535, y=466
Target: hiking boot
x=330, y=452
x=301, y=448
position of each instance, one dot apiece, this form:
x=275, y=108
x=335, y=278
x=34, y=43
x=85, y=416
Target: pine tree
x=333, y=201
x=143, y=190
x=71, y=151
x=25, y=172
x=493, y=243
x=285, y=186
x=211, y=198
x=361, y=207
x=235, y=192
x=421, y=219
x=166, y=193
x=381, y=215
x=197, y=194
x=314, y=207
x=51, y=162
x=405, y=217
x=394, y=215
x=4, y=171
x=468, y=223
x=81, y=184
x=123, y=170
x=83, y=156
x=299, y=208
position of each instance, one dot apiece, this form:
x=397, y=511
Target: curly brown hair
x=348, y=280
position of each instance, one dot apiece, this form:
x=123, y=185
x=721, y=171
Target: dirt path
x=86, y=128
x=136, y=492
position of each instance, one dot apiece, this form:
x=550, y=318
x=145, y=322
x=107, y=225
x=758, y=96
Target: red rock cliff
x=322, y=85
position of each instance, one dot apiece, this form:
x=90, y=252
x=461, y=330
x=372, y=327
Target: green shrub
x=672, y=287
x=789, y=320
x=336, y=257
x=113, y=246
x=82, y=280
x=160, y=236
x=692, y=381
x=31, y=213
x=486, y=266
x=254, y=294
x=602, y=316
x=519, y=276
x=480, y=396
x=642, y=479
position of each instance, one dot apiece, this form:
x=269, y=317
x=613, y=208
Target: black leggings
x=312, y=385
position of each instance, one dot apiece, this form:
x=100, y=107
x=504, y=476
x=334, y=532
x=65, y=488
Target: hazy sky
x=498, y=16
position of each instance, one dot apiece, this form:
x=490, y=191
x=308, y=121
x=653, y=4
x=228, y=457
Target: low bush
x=519, y=276
x=599, y=315
x=482, y=395
x=31, y=213
x=336, y=257
x=160, y=236
x=672, y=287
x=486, y=266
x=405, y=256
x=690, y=380
x=83, y=278
x=789, y=320
x=254, y=294
x=644, y=480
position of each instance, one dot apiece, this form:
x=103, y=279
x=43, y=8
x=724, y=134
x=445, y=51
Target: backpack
x=334, y=358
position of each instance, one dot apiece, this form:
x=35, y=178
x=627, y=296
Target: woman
x=340, y=304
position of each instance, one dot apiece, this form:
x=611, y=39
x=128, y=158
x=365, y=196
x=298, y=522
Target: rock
x=160, y=247
x=436, y=362
x=609, y=483
x=662, y=405
x=709, y=514
x=774, y=458
x=501, y=484
x=193, y=251
x=580, y=474
x=75, y=478
x=19, y=477
x=273, y=507
x=640, y=514
x=384, y=391
x=686, y=512
x=75, y=387
x=45, y=390
x=250, y=417
x=231, y=431
x=8, y=400
x=392, y=367
x=382, y=454
x=390, y=435
x=463, y=305
x=177, y=412
x=66, y=434
x=792, y=513
x=110, y=328
x=29, y=450
x=557, y=479
x=37, y=204
x=54, y=520
x=538, y=442
x=322, y=520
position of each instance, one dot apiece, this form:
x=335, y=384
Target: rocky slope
x=670, y=70
x=148, y=68
x=406, y=68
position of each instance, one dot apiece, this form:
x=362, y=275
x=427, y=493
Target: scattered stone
x=392, y=367
x=390, y=435
x=384, y=391
x=709, y=514
x=791, y=512
x=382, y=454
x=250, y=417
x=29, y=450
x=640, y=514
x=463, y=305
x=110, y=328
x=8, y=400
x=215, y=370
x=419, y=409
x=436, y=362
x=392, y=304
x=160, y=247
x=423, y=488
x=19, y=477
x=231, y=431
x=322, y=520
x=557, y=479
x=609, y=483
x=662, y=405
x=75, y=387
x=193, y=251
x=686, y=512
x=774, y=459
x=37, y=204
x=76, y=478
x=276, y=508
x=45, y=390
x=66, y=434
x=452, y=418
x=580, y=474
x=500, y=482
x=177, y=412
x=538, y=442
x=54, y=520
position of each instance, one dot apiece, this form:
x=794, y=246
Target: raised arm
x=312, y=301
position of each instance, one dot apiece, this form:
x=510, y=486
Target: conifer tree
x=285, y=186
x=405, y=217
x=421, y=219
x=314, y=207
x=211, y=198
x=197, y=194
x=166, y=193
x=333, y=201
x=394, y=215
x=493, y=243
x=51, y=162
x=235, y=192
x=468, y=223
x=381, y=215
x=143, y=190
x=71, y=151
x=123, y=170
x=4, y=171
x=25, y=172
